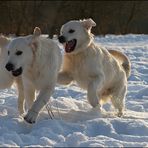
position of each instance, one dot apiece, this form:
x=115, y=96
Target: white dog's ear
x=34, y=45
x=3, y=41
x=88, y=23
x=34, y=40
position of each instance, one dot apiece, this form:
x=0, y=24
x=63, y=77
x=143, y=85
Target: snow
x=75, y=123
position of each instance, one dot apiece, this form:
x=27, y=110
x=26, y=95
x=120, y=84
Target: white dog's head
x=76, y=35
x=21, y=51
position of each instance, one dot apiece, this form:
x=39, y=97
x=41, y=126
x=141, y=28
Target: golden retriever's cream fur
x=92, y=66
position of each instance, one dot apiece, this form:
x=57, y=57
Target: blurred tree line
x=112, y=17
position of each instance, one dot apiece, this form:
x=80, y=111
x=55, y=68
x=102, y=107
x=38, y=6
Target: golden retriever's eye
x=71, y=31
x=18, y=52
x=8, y=52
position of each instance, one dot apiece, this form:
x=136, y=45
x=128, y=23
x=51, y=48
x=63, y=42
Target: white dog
x=6, y=78
x=102, y=74
x=37, y=60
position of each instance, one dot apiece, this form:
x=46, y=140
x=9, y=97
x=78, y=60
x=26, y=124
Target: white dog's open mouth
x=17, y=72
x=70, y=45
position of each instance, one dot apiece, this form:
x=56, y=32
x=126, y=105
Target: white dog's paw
x=21, y=111
x=31, y=116
x=96, y=109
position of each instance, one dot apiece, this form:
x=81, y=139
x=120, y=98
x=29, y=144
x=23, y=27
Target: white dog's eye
x=18, y=52
x=8, y=52
x=71, y=31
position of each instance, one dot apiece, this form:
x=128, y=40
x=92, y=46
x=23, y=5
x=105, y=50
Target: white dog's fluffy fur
x=102, y=74
x=6, y=78
x=36, y=60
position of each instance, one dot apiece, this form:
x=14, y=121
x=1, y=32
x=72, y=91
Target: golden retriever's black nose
x=9, y=66
x=61, y=39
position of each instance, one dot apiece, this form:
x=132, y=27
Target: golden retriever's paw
x=120, y=114
x=31, y=116
x=98, y=108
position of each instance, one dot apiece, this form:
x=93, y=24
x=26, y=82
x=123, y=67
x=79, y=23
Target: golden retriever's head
x=76, y=35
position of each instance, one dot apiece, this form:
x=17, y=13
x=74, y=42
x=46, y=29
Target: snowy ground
x=74, y=123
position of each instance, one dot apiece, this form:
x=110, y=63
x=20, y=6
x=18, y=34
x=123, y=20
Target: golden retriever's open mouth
x=70, y=45
x=17, y=72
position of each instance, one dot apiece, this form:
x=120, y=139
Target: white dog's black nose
x=62, y=39
x=9, y=66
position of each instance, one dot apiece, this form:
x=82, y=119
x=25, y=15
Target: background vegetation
x=112, y=17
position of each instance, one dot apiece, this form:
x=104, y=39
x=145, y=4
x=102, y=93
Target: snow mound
x=75, y=123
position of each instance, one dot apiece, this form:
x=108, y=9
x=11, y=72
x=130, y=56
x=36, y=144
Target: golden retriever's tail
x=123, y=59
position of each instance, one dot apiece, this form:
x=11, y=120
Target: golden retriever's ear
x=88, y=23
x=3, y=41
x=37, y=31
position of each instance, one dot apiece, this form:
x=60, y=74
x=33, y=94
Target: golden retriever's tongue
x=69, y=46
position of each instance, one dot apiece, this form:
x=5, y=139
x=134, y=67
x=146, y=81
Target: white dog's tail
x=123, y=59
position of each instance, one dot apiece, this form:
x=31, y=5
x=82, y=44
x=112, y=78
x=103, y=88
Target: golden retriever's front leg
x=92, y=92
x=64, y=78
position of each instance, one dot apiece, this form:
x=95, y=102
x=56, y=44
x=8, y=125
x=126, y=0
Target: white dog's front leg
x=20, y=89
x=40, y=102
x=92, y=92
x=29, y=93
x=6, y=78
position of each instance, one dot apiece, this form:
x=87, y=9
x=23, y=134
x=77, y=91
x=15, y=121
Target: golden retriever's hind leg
x=64, y=78
x=104, y=99
x=118, y=100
